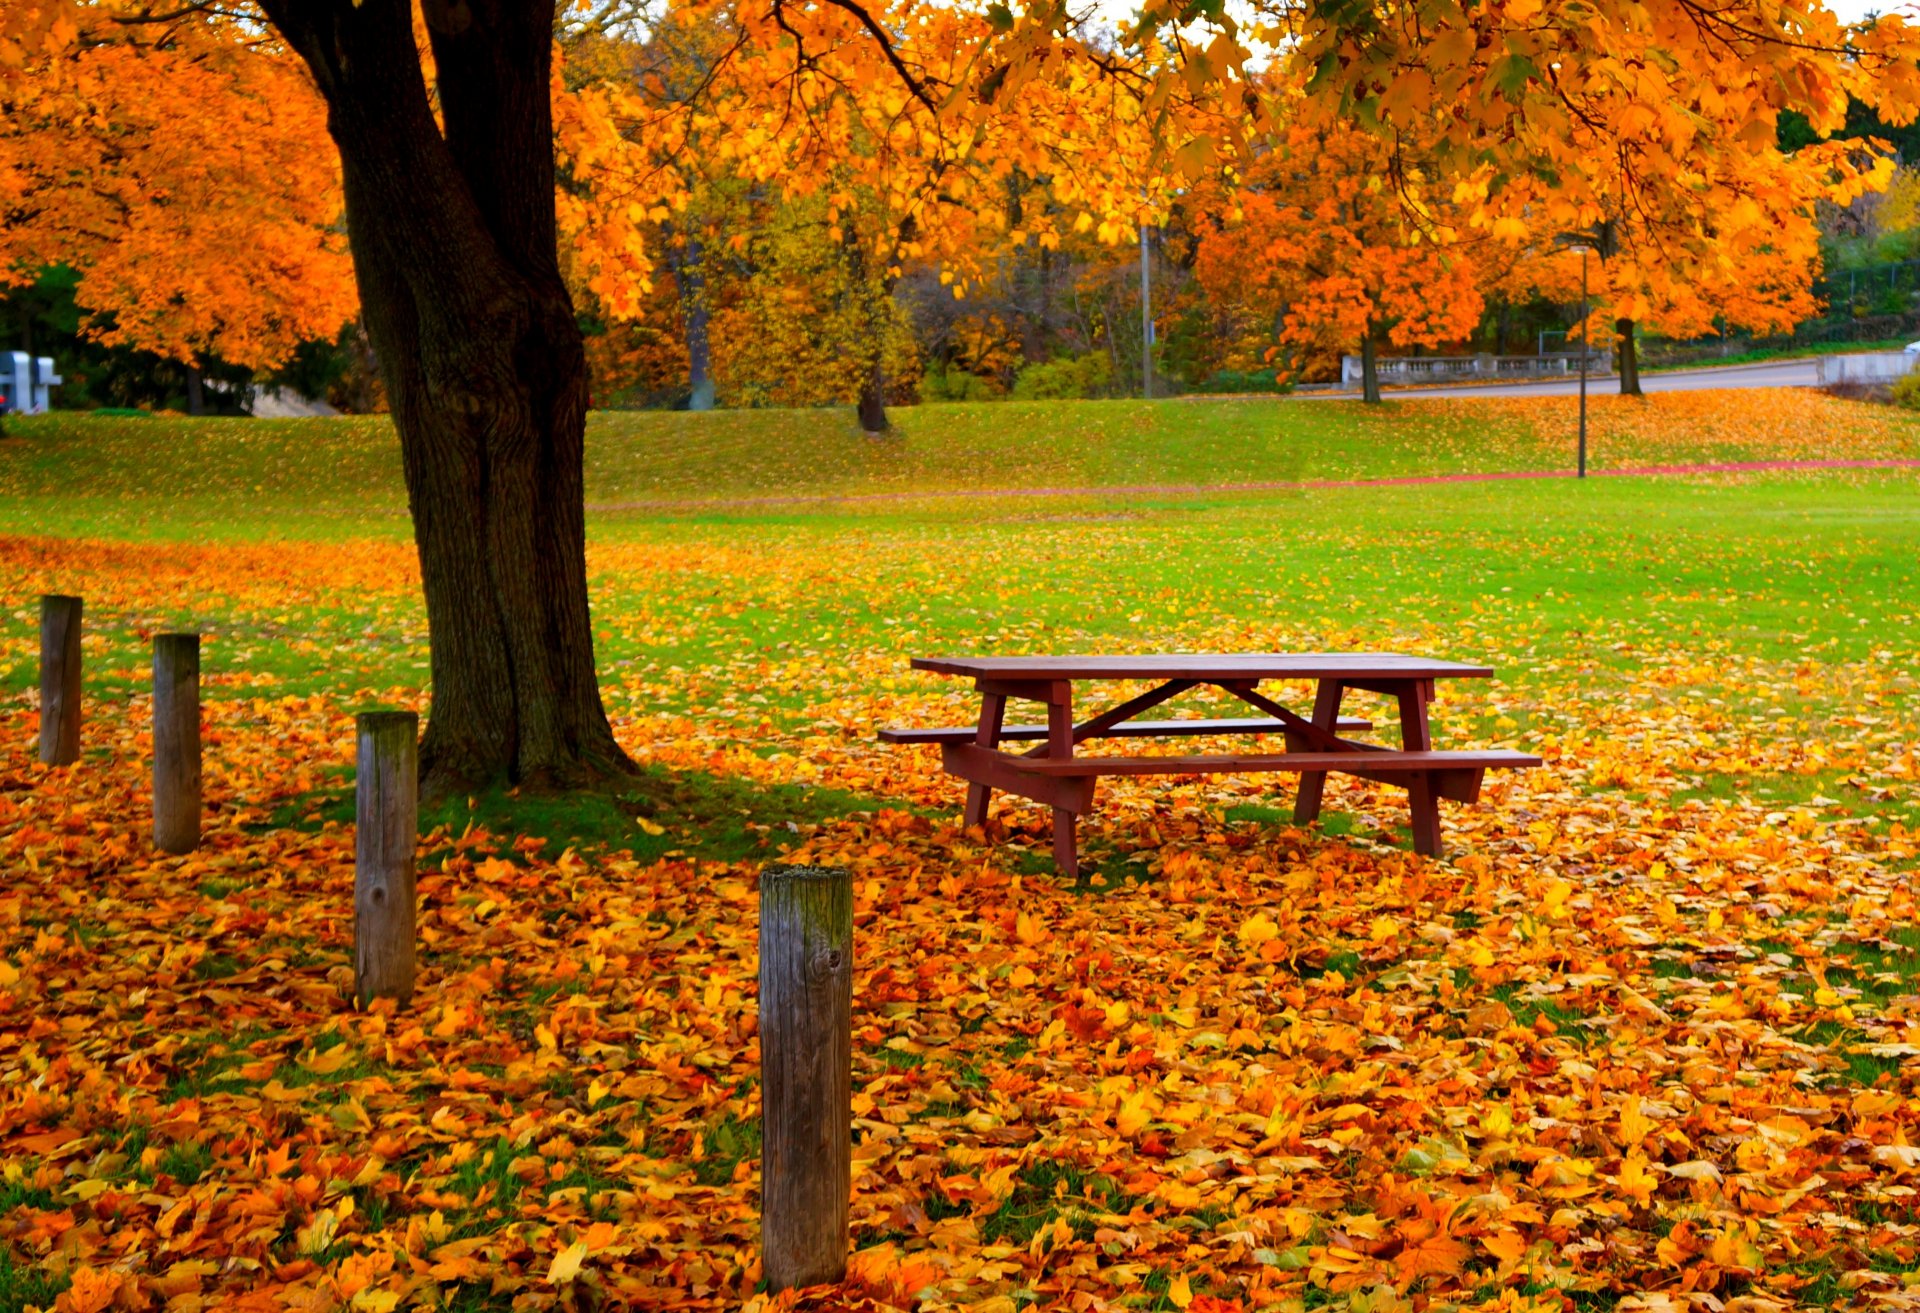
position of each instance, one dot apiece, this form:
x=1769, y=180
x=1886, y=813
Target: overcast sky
x=1849, y=10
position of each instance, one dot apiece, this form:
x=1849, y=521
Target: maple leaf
x=93, y=1290
x=566, y=1264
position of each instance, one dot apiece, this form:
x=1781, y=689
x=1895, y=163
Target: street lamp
x=1581, y=242
x=1584, y=353
x=1146, y=318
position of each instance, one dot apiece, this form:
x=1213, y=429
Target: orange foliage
x=1610, y=1048
x=1321, y=244
x=193, y=187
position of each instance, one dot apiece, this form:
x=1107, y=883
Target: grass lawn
x=1649, y=1031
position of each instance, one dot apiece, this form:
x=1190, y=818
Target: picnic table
x=1316, y=744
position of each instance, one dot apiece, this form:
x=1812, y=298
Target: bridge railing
x=1404, y=370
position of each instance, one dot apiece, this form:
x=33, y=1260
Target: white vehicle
x=1912, y=348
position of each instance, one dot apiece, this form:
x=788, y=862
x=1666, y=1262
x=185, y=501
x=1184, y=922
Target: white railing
x=1458, y=369
x=1865, y=367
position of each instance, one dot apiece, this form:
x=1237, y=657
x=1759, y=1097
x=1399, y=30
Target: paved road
x=1768, y=374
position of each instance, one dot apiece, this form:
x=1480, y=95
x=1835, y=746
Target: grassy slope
x=1557, y=582
x=145, y=479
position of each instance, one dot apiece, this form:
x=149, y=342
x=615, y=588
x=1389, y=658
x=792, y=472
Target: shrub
x=1243, y=380
x=1906, y=390
x=1090, y=375
x=943, y=384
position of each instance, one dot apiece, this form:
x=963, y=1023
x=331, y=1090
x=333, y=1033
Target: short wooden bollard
x=388, y=830
x=59, y=680
x=176, y=742
x=806, y=1074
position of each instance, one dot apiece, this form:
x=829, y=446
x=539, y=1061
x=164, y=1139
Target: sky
x=1851, y=10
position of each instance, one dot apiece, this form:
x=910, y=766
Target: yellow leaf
x=1634, y=1124
x=325, y=1064
x=1030, y=929
x=9, y=974
x=1507, y=1246
x=648, y=827
x=1257, y=930
x=1179, y=1292
x=566, y=1263
x=1178, y=1195
x=1636, y=1181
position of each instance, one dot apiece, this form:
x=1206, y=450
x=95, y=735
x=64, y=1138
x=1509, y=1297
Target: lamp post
x=1146, y=319
x=1584, y=243
x=1584, y=352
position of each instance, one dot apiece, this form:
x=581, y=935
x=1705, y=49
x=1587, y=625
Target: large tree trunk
x=876, y=310
x=454, y=250
x=690, y=276
x=1369, y=373
x=1629, y=353
x=872, y=407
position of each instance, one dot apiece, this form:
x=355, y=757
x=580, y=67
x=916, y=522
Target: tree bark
x=453, y=239
x=1369, y=373
x=873, y=399
x=876, y=300
x=196, y=395
x=690, y=277
x=1629, y=353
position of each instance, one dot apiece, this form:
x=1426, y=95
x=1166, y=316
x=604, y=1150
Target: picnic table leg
x=993, y=711
x=1417, y=736
x=1060, y=744
x=1326, y=715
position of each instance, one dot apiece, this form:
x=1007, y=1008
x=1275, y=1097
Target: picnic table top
x=1206, y=666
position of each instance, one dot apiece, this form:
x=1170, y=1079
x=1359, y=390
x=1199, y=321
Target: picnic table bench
x=1051, y=774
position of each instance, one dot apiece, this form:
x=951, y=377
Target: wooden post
x=59, y=680
x=806, y=1074
x=387, y=832
x=176, y=742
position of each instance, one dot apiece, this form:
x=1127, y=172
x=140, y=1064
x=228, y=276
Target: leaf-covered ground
x=1646, y=1040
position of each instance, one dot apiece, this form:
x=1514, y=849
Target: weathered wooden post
x=59, y=680
x=806, y=1074
x=387, y=832
x=176, y=742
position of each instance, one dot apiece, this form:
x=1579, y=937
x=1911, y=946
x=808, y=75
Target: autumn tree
x=889, y=173
x=1653, y=126
x=1326, y=254
x=1729, y=241
x=187, y=180
x=450, y=202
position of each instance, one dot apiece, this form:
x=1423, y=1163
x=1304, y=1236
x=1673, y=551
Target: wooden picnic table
x=1316, y=744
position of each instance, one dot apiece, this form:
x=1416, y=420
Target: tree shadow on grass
x=656, y=814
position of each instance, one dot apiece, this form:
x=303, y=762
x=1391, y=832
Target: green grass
x=25, y=1286
x=71, y=474
x=729, y=1141
x=696, y=814
x=769, y=611
x=1048, y=1190
x=18, y=1194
